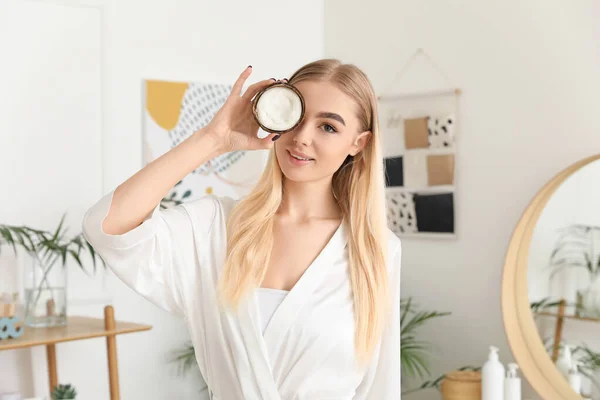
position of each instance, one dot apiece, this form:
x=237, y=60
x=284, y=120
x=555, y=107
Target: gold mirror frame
x=523, y=337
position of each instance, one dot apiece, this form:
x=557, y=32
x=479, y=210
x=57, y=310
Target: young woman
x=293, y=292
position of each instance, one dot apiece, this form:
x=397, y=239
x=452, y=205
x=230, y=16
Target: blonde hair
x=358, y=186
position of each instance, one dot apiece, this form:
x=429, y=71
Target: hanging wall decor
x=419, y=136
x=173, y=111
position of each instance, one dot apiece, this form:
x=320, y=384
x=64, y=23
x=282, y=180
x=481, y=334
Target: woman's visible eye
x=328, y=128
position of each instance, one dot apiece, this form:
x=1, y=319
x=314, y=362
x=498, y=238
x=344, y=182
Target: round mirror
x=551, y=286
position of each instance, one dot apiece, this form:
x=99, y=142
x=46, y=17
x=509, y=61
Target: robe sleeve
x=382, y=378
x=154, y=258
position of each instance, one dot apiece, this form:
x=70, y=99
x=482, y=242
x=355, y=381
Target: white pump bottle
x=512, y=383
x=492, y=377
x=565, y=363
x=575, y=378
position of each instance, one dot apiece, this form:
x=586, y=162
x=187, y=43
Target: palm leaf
x=420, y=318
x=185, y=358
x=414, y=354
x=19, y=235
x=576, y=247
x=405, y=309
x=543, y=304
x=48, y=247
x=589, y=363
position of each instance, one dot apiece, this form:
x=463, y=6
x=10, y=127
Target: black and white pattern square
x=401, y=214
x=441, y=131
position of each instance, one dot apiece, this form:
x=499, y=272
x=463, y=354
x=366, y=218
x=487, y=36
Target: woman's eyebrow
x=331, y=115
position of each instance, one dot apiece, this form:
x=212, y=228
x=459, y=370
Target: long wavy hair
x=358, y=186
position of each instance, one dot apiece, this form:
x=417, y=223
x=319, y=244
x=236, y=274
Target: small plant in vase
x=64, y=392
x=46, y=273
x=578, y=247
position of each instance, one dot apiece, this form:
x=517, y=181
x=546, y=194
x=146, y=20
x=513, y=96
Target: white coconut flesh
x=279, y=108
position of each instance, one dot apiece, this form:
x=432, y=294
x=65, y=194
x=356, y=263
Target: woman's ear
x=360, y=142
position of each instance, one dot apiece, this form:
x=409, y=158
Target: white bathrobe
x=174, y=258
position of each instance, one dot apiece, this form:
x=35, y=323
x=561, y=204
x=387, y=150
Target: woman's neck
x=303, y=201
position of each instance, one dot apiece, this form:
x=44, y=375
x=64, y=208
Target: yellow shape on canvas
x=163, y=102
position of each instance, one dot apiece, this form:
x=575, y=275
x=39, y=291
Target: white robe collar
x=262, y=347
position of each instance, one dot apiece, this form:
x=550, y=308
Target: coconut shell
x=260, y=93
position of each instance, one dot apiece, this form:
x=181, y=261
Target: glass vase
x=589, y=300
x=45, y=288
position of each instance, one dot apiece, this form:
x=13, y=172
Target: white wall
x=194, y=40
x=50, y=153
x=529, y=75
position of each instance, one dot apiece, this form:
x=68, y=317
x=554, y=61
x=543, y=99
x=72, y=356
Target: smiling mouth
x=300, y=158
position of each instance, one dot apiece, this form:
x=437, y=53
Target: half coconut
x=278, y=108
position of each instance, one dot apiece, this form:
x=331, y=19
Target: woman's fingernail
x=273, y=79
x=249, y=66
x=276, y=137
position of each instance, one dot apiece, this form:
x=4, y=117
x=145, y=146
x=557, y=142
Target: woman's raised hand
x=233, y=127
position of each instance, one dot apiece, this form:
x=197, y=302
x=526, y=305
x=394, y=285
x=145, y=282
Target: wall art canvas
x=419, y=135
x=173, y=111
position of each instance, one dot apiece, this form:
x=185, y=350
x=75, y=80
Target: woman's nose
x=302, y=135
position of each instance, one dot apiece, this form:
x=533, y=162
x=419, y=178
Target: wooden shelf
x=566, y=316
x=561, y=316
x=77, y=328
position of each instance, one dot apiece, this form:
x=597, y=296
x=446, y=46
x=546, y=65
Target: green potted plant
x=64, y=392
x=415, y=353
x=45, y=280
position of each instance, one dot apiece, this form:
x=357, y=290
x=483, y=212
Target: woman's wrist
x=208, y=141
